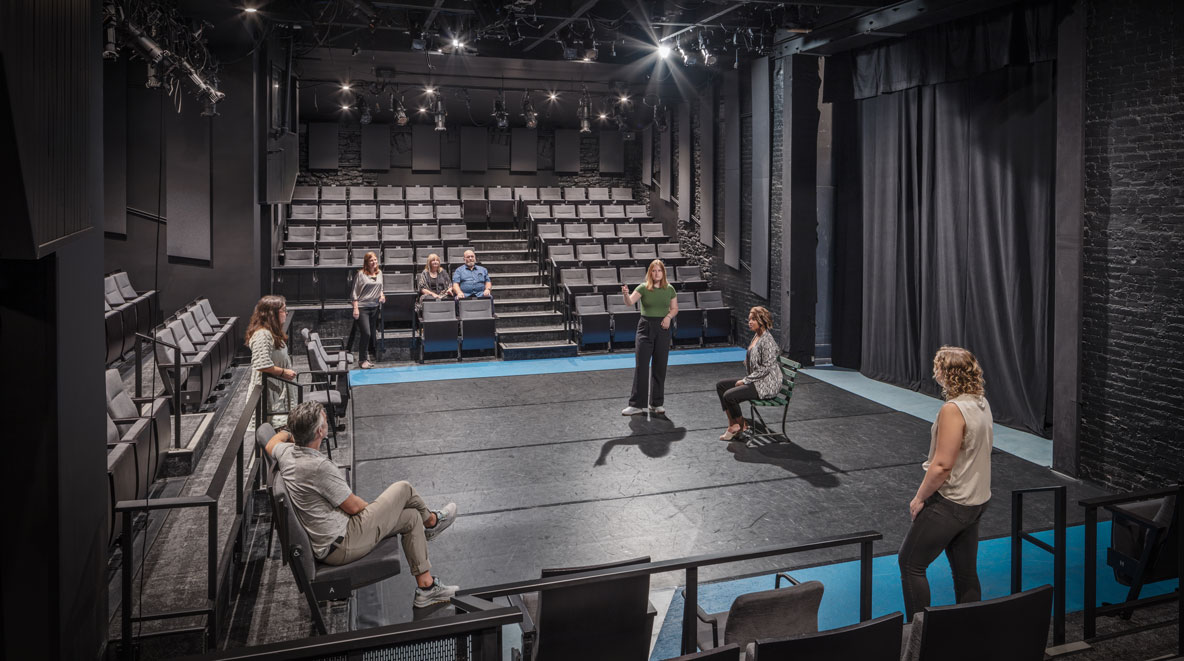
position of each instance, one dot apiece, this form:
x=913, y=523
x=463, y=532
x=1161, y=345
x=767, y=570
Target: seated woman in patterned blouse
x=764, y=374
x=433, y=282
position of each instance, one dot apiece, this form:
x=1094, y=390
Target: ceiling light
x=250, y=10
x=624, y=98
x=429, y=90
x=345, y=87
x=345, y=106
x=553, y=96
x=423, y=109
x=663, y=50
x=419, y=43
x=584, y=112
x=440, y=114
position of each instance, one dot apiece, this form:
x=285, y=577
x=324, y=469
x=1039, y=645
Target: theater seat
x=438, y=328
x=478, y=327
x=121, y=484
x=127, y=412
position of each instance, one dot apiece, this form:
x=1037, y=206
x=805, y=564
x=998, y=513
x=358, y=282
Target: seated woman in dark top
x=433, y=282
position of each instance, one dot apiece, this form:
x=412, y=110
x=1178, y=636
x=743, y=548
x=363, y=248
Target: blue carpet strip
x=491, y=369
x=840, y=601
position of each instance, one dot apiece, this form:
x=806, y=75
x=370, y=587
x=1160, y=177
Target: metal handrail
x=217, y=564
x=1058, y=550
x=691, y=566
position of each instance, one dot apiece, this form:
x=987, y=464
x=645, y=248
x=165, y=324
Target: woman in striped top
x=269, y=355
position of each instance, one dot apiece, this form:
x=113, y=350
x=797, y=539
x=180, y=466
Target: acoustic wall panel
x=731, y=139
x=323, y=153
x=115, y=147
x=376, y=147
x=707, y=167
x=686, y=197
x=612, y=152
x=474, y=148
x=187, y=186
x=664, y=178
x=761, y=171
x=524, y=150
x=425, y=148
x=567, y=151
x=647, y=157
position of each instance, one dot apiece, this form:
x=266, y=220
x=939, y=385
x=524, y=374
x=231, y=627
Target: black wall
x=1132, y=389
x=230, y=277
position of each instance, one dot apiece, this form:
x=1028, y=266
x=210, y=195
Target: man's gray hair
x=305, y=421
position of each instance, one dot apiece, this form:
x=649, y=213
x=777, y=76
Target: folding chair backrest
x=598, y=194
x=500, y=193
x=710, y=299
x=1011, y=627
x=590, y=303
x=604, y=231
x=124, y=285
x=786, y=611
x=394, y=193
x=575, y=193
x=334, y=257
x=334, y=213
x=395, y=232
x=612, y=211
x=472, y=193
x=361, y=193
x=873, y=640
x=573, y=276
x=398, y=256
x=305, y=193
x=669, y=251
x=299, y=257
x=439, y=311
x=425, y=233
x=417, y=194
x=333, y=192
x=420, y=212
x=392, y=212
x=362, y=211
x=563, y=211
x=590, y=251
x=628, y=231
x=685, y=273
x=538, y=210
x=550, y=193
x=622, y=193
x=618, y=607
x=588, y=210
x=526, y=193
x=613, y=251
x=576, y=231
x=476, y=308
x=366, y=232
x=644, y=251
x=454, y=233
x=444, y=193
x=632, y=275
x=562, y=252
x=550, y=230
x=397, y=282
x=449, y=212
x=604, y=276
x=651, y=229
x=686, y=300
x=636, y=211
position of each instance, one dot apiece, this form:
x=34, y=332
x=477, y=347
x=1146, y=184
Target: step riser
x=538, y=319
x=504, y=256
x=511, y=306
x=560, y=351
x=481, y=246
x=525, y=292
x=499, y=279
x=493, y=235
x=511, y=335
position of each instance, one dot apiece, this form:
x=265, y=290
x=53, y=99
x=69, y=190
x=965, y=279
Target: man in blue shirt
x=471, y=280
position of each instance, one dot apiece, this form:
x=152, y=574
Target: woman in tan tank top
x=957, y=484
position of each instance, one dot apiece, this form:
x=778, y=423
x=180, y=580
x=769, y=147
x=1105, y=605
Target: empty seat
x=333, y=257
x=392, y=212
x=550, y=194
x=417, y=194
x=652, y=231
x=688, y=324
x=598, y=195
x=396, y=234
x=617, y=254
x=671, y=254
x=118, y=342
x=392, y=193
x=1014, y=627
x=576, y=233
x=549, y=232
x=334, y=234
x=425, y=234
x=420, y=212
x=152, y=428
x=227, y=324
x=624, y=318
x=501, y=203
x=298, y=257
x=622, y=194
x=472, y=199
x=399, y=289
x=636, y=211
x=361, y=193
x=717, y=317
x=632, y=276
x=575, y=193
x=444, y=194
x=612, y=211
x=135, y=313
x=454, y=234
x=689, y=277
x=216, y=342
x=588, y=211
x=139, y=444
x=526, y=193
x=305, y=193
x=574, y=282
x=364, y=233
x=591, y=320
x=873, y=640
x=303, y=213
x=629, y=232
x=644, y=252
x=604, y=231
x=449, y=212
x=333, y=192
x=365, y=211
x=473, y=193
x=438, y=328
x=590, y=254
x=788, y=611
x=333, y=213
x=301, y=234
x=398, y=258
x=563, y=211
x=604, y=280
x=478, y=327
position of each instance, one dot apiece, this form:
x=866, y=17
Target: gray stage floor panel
x=547, y=473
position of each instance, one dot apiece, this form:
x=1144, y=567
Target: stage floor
x=547, y=473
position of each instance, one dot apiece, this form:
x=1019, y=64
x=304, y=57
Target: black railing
x=177, y=385
x=218, y=562
x=1092, y=610
x=1057, y=549
x=691, y=566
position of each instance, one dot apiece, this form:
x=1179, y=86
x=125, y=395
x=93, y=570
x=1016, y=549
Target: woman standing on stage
x=764, y=373
x=659, y=305
x=367, y=295
x=957, y=484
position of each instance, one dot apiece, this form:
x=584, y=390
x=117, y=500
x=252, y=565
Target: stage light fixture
x=209, y=109
x=440, y=114
x=429, y=90
x=423, y=109
x=419, y=43
x=584, y=112
x=663, y=50
x=400, y=113
x=709, y=56
x=500, y=116
x=553, y=96
x=344, y=87
x=345, y=106
x=590, y=51
x=456, y=43
x=250, y=10
x=528, y=112
x=570, y=52
x=153, y=80
x=603, y=116
x=357, y=49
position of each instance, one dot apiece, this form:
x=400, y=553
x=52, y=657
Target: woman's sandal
x=729, y=434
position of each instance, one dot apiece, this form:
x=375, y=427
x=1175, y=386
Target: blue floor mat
x=840, y=601
x=496, y=368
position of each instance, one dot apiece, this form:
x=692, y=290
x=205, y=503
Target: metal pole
x=177, y=385
x=139, y=368
x=865, y=581
x=1058, y=576
x=1180, y=569
x=212, y=579
x=125, y=543
x=1017, y=542
x=1089, y=627
x=689, y=609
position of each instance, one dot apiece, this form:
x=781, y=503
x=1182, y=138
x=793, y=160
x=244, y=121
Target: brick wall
x=1132, y=395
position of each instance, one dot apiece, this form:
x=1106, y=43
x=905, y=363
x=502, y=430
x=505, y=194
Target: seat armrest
x=781, y=575
x=1118, y=513
x=123, y=420
x=528, y=625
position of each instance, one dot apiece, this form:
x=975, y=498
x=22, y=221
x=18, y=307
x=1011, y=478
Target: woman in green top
x=659, y=305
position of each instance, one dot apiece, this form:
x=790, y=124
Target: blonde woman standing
x=659, y=306
x=957, y=485
x=367, y=295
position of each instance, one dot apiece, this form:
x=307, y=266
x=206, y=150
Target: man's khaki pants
x=398, y=511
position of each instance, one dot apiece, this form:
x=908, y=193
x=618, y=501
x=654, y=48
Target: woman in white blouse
x=367, y=296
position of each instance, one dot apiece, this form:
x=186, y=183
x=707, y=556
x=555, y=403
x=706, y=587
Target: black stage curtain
x=957, y=205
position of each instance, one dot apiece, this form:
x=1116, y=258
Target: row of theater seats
x=606, y=319
x=442, y=214
x=138, y=436
x=125, y=313
x=441, y=329
x=207, y=344
x=394, y=258
x=454, y=193
x=608, y=280
x=564, y=256
x=361, y=239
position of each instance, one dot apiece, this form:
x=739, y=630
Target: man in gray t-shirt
x=341, y=526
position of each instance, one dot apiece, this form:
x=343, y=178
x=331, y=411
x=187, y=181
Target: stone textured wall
x=1132, y=395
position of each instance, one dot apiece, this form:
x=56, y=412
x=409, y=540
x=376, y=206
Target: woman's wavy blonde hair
x=963, y=375
x=764, y=318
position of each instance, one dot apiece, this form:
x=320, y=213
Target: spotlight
x=419, y=43
x=250, y=10
x=553, y=96
x=345, y=87
x=603, y=116
x=499, y=110
x=584, y=112
x=429, y=90
x=401, y=113
x=456, y=43
x=528, y=113
x=624, y=98
x=570, y=52
x=709, y=56
x=663, y=50
x=590, y=52
x=345, y=106
x=423, y=109
x=440, y=114
x=688, y=57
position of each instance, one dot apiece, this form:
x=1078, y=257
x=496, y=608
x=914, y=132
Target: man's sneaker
x=631, y=410
x=444, y=518
x=657, y=409
x=437, y=594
